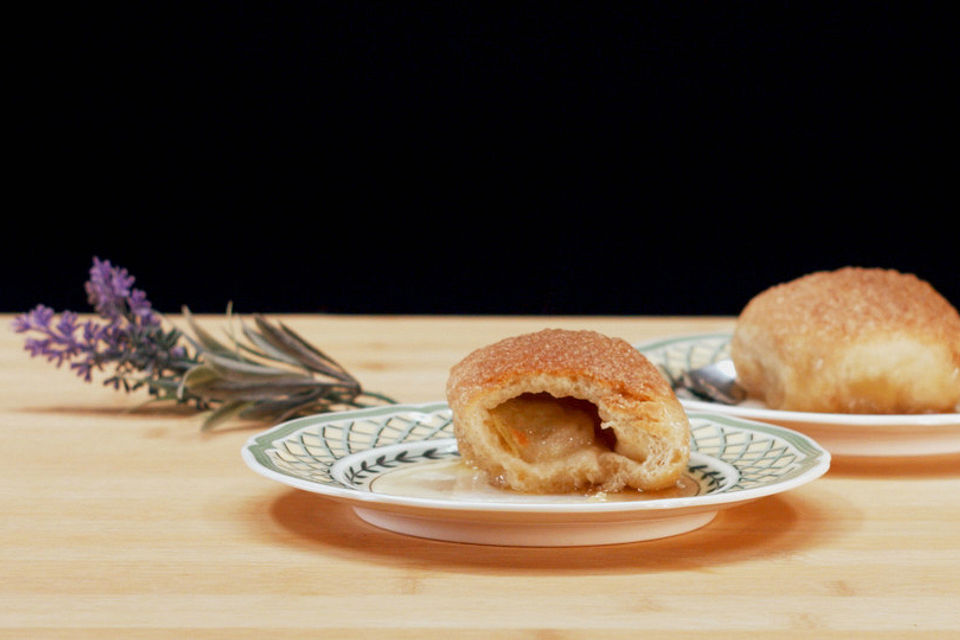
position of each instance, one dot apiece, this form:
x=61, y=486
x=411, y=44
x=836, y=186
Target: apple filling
x=538, y=427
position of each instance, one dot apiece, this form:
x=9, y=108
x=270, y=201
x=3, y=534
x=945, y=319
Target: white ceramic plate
x=841, y=434
x=399, y=469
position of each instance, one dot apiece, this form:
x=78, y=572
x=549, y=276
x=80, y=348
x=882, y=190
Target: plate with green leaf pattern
x=398, y=467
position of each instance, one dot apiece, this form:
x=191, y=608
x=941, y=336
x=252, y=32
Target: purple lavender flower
x=131, y=338
x=110, y=291
x=59, y=340
x=38, y=318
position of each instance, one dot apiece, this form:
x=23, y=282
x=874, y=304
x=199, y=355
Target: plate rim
x=819, y=463
x=905, y=420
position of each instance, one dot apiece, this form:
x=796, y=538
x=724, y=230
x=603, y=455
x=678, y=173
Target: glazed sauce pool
x=454, y=479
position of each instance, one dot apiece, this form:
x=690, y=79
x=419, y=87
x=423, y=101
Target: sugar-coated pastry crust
x=854, y=340
x=559, y=411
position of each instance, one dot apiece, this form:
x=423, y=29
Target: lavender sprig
x=274, y=376
x=129, y=337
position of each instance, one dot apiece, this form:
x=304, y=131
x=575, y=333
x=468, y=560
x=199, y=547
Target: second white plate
x=841, y=434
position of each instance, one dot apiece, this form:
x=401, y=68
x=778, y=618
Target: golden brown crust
x=588, y=354
x=854, y=340
x=632, y=399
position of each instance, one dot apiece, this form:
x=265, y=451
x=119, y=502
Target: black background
x=459, y=157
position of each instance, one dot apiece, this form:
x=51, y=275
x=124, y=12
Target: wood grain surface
x=126, y=521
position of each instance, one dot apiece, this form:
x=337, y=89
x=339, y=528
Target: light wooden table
x=121, y=522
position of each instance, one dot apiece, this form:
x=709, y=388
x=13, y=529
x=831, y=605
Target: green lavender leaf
x=202, y=339
x=287, y=341
x=224, y=413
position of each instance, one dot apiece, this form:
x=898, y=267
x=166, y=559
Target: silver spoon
x=716, y=381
